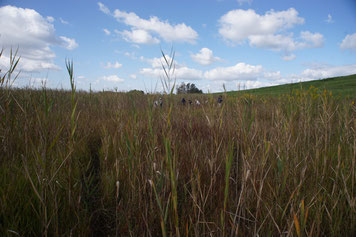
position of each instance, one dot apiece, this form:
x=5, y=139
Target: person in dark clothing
x=183, y=101
x=220, y=100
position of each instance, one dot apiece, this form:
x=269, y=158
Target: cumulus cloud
x=181, y=72
x=274, y=42
x=113, y=65
x=241, y=2
x=286, y=43
x=245, y=75
x=238, y=25
x=205, y=57
x=185, y=73
x=326, y=71
x=311, y=40
x=106, y=31
x=34, y=35
x=240, y=71
x=138, y=37
x=68, y=43
x=269, y=31
x=272, y=75
x=256, y=84
x=168, y=32
x=112, y=78
x=349, y=42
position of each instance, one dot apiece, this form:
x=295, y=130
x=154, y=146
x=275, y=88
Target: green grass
x=340, y=86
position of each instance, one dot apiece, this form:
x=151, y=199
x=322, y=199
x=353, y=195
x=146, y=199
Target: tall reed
x=108, y=163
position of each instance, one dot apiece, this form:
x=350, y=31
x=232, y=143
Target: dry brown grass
x=76, y=163
x=283, y=166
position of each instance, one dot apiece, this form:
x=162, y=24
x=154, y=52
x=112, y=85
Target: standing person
x=160, y=102
x=183, y=101
x=220, y=100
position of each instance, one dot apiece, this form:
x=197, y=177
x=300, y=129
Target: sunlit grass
x=77, y=163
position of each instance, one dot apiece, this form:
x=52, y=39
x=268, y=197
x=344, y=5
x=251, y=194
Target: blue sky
x=239, y=43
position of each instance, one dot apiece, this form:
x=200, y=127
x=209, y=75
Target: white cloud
x=267, y=31
x=289, y=57
x=50, y=19
x=168, y=32
x=349, y=42
x=274, y=42
x=139, y=37
x=63, y=21
x=330, y=19
x=111, y=78
x=133, y=76
x=152, y=72
x=113, y=65
x=241, y=2
x=311, y=40
x=255, y=84
x=181, y=72
x=185, y=73
x=205, y=57
x=103, y=8
x=68, y=43
x=246, y=76
x=238, y=25
x=157, y=62
x=326, y=71
x=106, y=31
x=34, y=35
x=240, y=71
x=272, y=75
x=286, y=43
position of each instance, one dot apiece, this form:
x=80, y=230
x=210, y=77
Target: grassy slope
x=345, y=85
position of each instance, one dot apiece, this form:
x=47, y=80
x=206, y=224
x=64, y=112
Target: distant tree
x=137, y=92
x=182, y=89
x=189, y=88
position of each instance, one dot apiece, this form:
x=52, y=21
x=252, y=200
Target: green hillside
x=343, y=86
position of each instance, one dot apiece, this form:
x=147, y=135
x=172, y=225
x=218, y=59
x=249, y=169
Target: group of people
x=159, y=102
x=190, y=102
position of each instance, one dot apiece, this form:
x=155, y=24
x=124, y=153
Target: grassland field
x=77, y=163
x=339, y=86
